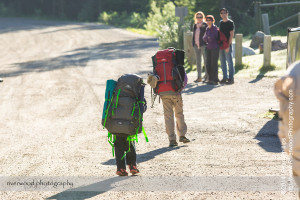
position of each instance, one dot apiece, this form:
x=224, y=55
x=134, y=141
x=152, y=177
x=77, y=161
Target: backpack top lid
x=166, y=55
x=130, y=85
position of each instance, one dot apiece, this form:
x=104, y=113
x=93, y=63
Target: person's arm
x=205, y=38
x=230, y=37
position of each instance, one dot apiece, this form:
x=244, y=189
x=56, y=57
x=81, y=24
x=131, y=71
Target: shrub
x=164, y=23
x=137, y=20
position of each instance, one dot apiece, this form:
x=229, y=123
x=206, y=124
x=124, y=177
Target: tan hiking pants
x=173, y=104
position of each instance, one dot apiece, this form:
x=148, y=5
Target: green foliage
x=189, y=67
x=164, y=23
x=135, y=20
x=108, y=18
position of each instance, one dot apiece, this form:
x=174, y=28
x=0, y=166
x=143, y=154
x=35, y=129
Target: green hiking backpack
x=123, y=108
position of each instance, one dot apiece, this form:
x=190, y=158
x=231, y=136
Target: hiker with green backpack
x=168, y=80
x=123, y=118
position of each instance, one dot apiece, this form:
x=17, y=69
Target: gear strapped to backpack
x=222, y=40
x=123, y=108
x=168, y=66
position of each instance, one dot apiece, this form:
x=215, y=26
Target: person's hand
x=227, y=50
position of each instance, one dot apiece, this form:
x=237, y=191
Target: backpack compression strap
x=132, y=138
x=111, y=141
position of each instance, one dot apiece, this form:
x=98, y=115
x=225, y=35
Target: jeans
x=200, y=52
x=212, y=64
x=121, y=146
x=224, y=56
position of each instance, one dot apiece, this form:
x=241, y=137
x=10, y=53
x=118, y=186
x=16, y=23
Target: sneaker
x=223, y=81
x=122, y=172
x=173, y=143
x=133, y=169
x=198, y=80
x=230, y=81
x=184, y=139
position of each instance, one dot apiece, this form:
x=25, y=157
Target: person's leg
x=208, y=63
x=198, y=62
x=215, y=58
x=180, y=123
x=131, y=155
x=169, y=117
x=230, y=63
x=203, y=52
x=223, y=64
x=131, y=159
x=120, y=148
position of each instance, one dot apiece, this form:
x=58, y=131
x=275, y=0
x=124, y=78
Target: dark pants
x=212, y=64
x=121, y=146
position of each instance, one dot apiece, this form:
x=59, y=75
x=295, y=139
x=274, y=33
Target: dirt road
x=51, y=104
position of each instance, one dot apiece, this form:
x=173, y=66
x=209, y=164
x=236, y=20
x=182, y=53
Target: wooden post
x=238, y=49
x=188, y=47
x=266, y=25
x=299, y=19
x=267, y=50
x=181, y=12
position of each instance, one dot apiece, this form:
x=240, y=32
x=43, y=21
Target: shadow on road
x=9, y=25
x=194, y=88
x=81, y=56
x=268, y=137
x=89, y=191
x=147, y=156
x=262, y=71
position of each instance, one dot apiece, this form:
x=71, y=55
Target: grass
x=252, y=66
x=141, y=31
x=269, y=115
x=255, y=66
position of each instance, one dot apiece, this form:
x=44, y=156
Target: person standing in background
x=199, y=45
x=212, y=50
x=227, y=27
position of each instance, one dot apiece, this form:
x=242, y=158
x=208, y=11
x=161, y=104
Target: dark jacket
x=202, y=31
x=211, y=37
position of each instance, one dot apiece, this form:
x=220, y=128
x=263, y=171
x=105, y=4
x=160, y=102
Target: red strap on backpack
x=222, y=40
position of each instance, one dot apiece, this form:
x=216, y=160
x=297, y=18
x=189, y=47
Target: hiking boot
x=224, y=80
x=198, y=80
x=230, y=81
x=183, y=139
x=133, y=169
x=173, y=143
x=122, y=172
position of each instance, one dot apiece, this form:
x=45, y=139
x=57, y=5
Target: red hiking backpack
x=168, y=66
x=222, y=40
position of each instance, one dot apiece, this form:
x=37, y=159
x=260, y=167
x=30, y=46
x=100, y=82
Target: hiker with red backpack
x=170, y=79
x=227, y=27
x=212, y=50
